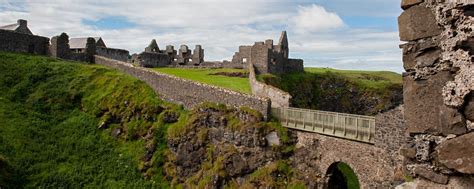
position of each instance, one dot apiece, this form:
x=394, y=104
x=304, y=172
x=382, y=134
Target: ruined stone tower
x=283, y=45
x=153, y=47
x=268, y=58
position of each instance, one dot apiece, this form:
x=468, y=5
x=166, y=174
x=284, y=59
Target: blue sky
x=344, y=34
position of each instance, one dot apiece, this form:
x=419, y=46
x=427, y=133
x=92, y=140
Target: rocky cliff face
x=224, y=147
x=333, y=91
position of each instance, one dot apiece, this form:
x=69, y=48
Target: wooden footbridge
x=349, y=126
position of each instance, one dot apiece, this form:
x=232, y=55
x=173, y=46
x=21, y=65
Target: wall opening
x=341, y=176
x=244, y=60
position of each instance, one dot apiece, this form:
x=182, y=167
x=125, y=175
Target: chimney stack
x=22, y=22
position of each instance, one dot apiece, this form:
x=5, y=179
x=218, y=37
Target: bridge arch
x=340, y=175
x=373, y=166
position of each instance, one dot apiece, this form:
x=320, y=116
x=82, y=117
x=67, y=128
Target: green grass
x=49, y=114
x=349, y=175
x=368, y=79
x=204, y=76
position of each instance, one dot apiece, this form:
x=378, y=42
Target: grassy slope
x=340, y=90
x=203, y=76
x=49, y=113
x=367, y=79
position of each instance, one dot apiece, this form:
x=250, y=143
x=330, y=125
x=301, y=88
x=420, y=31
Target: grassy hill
x=348, y=91
x=75, y=125
x=50, y=111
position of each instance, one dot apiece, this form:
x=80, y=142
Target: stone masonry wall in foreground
x=438, y=90
x=185, y=92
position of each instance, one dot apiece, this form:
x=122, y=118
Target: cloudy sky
x=343, y=34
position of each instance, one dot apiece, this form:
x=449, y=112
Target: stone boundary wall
x=438, y=90
x=116, y=54
x=278, y=97
x=186, y=92
x=12, y=41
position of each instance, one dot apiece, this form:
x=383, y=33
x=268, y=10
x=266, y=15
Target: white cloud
x=315, y=18
x=219, y=25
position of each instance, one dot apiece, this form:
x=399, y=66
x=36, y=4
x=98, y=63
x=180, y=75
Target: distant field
x=369, y=79
x=205, y=76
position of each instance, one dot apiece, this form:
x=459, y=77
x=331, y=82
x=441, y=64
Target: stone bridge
x=376, y=162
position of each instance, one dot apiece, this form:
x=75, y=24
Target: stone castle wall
x=278, y=97
x=243, y=53
x=185, y=92
x=116, y=54
x=438, y=89
x=11, y=41
x=390, y=132
x=259, y=57
x=152, y=60
x=59, y=46
x=294, y=65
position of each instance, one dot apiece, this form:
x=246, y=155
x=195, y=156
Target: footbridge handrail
x=349, y=126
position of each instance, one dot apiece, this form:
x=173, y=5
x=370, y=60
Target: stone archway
x=341, y=176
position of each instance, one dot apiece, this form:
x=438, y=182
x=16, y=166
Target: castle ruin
x=154, y=57
x=268, y=58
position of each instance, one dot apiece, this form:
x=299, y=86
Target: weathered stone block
x=469, y=109
x=409, y=3
x=424, y=52
x=452, y=122
x=423, y=102
x=458, y=153
x=431, y=175
x=416, y=23
x=428, y=57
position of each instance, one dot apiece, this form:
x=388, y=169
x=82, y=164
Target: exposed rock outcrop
x=221, y=146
